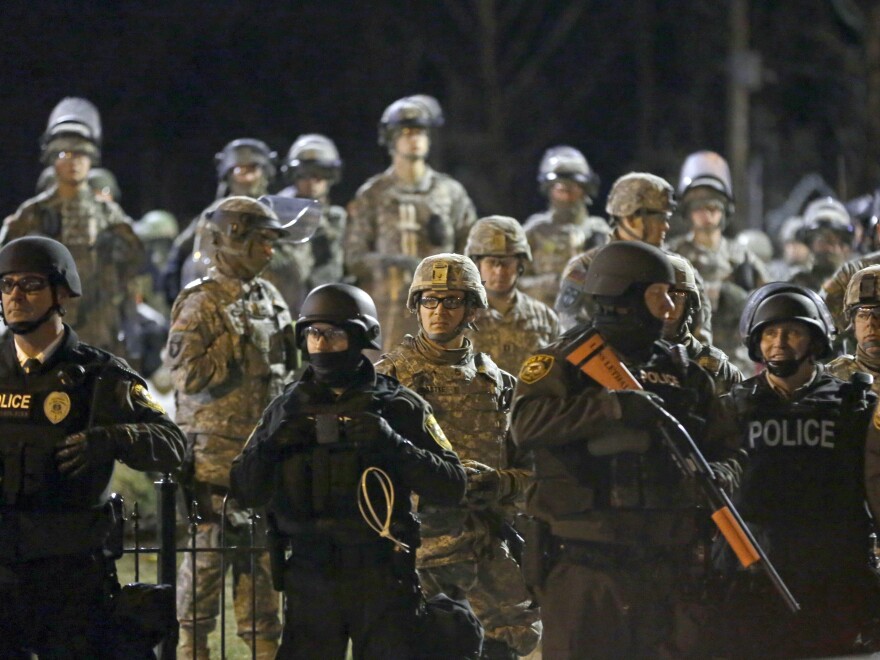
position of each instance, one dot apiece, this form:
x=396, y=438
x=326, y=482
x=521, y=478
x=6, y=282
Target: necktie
x=31, y=365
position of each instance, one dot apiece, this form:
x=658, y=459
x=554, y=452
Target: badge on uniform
x=437, y=433
x=141, y=395
x=535, y=368
x=56, y=406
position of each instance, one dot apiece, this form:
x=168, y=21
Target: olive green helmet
x=640, y=192
x=497, y=236
x=863, y=289
x=447, y=272
x=156, y=225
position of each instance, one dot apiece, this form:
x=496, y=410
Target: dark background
x=634, y=84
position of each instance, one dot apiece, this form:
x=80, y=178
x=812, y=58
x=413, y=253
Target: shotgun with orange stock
x=599, y=361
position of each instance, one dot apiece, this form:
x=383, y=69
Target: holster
x=535, y=563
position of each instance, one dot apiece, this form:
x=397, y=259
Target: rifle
x=599, y=361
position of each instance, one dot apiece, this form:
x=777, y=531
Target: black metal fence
x=167, y=551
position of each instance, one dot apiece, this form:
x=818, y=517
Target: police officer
x=514, y=324
x=245, y=167
x=802, y=491
x=622, y=525
x=566, y=228
x=408, y=212
x=828, y=232
x=67, y=412
x=639, y=206
x=230, y=352
x=323, y=450
x=312, y=167
x=96, y=231
x=463, y=552
x=676, y=328
x=862, y=306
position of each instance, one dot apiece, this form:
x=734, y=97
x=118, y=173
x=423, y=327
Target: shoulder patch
x=142, y=395
x=437, y=433
x=535, y=368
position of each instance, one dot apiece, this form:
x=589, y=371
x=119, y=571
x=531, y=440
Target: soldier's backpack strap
x=504, y=382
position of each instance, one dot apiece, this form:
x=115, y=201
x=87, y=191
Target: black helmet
x=419, y=110
x=621, y=264
x=245, y=151
x=781, y=301
x=39, y=254
x=340, y=304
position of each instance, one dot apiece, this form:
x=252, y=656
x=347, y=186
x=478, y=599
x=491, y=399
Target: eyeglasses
x=71, y=155
x=868, y=314
x=451, y=302
x=26, y=284
x=649, y=213
x=330, y=334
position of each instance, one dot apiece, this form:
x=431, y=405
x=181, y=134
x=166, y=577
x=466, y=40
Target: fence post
x=166, y=491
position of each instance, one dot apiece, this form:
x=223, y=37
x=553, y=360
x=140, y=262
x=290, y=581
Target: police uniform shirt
x=40, y=357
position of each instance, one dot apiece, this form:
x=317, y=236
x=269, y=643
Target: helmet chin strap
x=629, y=232
x=785, y=368
x=27, y=327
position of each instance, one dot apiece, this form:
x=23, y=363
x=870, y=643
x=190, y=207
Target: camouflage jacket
x=325, y=247
x=555, y=238
x=724, y=373
x=108, y=256
x=513, y=336
x=230, y=352
x=845, y=366
x=834, y=289
x=470, y=399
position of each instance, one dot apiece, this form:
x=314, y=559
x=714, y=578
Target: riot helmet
x=565, y=162
x=621, y=265
x=419, y=111
x=242, y=152
x=705, y=168
x=39, y=254
x=447, y=272
x=313, y=155
x=240, y=227
x=497, y=236
x=828, y=214
x=74, y=125
x=782, y=301
x=343, y=305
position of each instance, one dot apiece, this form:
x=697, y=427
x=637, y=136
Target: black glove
x=79, y=451
x=638, y=407
x=488, y=487
x=292, y=434
x=370, y=431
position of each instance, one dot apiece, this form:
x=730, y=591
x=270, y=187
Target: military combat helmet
x=156, y=225
x=639, y=193
x=863, y=290
x=623, y=264
x=826, y=213
x=74, y=125
x=313, y=155
x=497, y=236
x=565, y=162
x=685, y=280
x=39, y=254
x=782, y=301
x=233, y=217
x=419, y=110
x=102, y=180
x=705, y=169
x=245, y=151
x=340, y=304
x=447, y=272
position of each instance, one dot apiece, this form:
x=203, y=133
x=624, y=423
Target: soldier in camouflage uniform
x=97, y=232
x=312, y=167
x=230, y=352
x=566, y=228
x=514, y=324
x=462, y=552
x=640, y=206
x=676, y=328
x=728, y=269
x=404, y=214
x=862, y=305
x=828, y=233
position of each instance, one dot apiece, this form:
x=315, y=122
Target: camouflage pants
x=494, y=587
x=208, y=582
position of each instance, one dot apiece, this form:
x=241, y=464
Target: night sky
x=634, y=85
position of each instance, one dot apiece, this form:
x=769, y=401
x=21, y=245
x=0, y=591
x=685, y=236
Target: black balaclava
x=633, y=330
x=336, y=369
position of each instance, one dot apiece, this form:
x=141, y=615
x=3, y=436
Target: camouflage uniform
x=461, y=552
x=835, y=288
x=324, y=262
x=107, y=253
x=392, y=226
x=862, y=291
x=555, y=237
x=230, y=352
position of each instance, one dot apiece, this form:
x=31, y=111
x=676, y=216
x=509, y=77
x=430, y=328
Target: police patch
x=437, y=433
x=56, y=406
x=141, y=395
x=535, y=368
